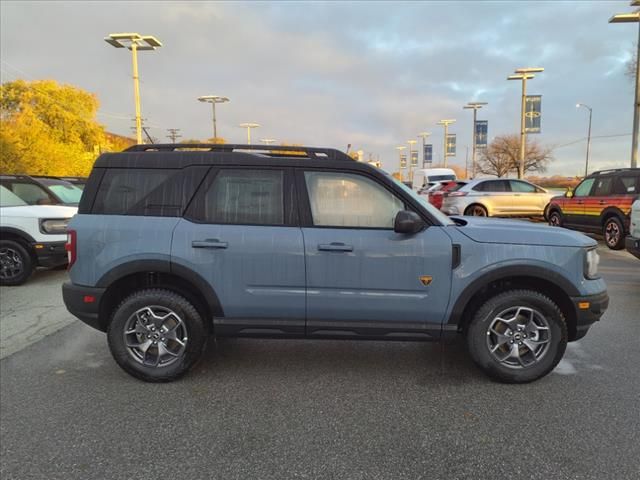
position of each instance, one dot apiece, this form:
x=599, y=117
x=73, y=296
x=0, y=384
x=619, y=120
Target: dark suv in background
x=601, y=203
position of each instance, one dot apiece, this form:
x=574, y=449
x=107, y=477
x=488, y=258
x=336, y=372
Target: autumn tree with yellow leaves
x=49, y=129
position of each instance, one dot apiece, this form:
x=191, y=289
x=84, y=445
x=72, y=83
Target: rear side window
x=245, y=197
x=626, y=185
x=493, y=186
x=602, y=187
x=147, y=192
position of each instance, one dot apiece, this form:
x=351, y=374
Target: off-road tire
x=16, y=248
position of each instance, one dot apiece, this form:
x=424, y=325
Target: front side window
x=249, y=197
x=350, y=200
x=523, y=187
x=584, y=188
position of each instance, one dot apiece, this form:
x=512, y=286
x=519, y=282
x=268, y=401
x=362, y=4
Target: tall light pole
x=249, y=126
x=267, y=141
x=586, y=166
x=445, y=124
x=213, y=99
x=409, y=160
x=400, y=148
x=523, y=74
x=134, y=42
x=475, y=106
x=633, y=18
x=423, y=136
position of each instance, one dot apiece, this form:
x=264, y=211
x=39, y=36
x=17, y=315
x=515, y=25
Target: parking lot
x=315, y=409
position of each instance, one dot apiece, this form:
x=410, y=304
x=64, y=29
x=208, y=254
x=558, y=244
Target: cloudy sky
x=373, y=74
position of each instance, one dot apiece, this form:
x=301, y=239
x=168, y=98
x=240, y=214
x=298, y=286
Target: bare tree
x=503, y=156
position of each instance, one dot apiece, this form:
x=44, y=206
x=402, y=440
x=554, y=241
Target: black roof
x=177, y=155
x=614, y=170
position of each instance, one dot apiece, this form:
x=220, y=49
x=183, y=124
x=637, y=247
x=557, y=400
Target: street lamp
x=586, y=167
x=423, y=136
x=249, y=126
x=446, y=124
x=400, y=148
x=523, y=74
x=633, y=18
x=213, y=99
x=475, y=106
x=409, y=159
x=267, y=141
x=134, y=42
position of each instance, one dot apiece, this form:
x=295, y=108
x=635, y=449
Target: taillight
x=71, y=247
x=456, y=194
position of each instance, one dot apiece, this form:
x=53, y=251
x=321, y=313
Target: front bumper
x=588, y=310
x=50, y=254
x=84, y=303
x=632, y=244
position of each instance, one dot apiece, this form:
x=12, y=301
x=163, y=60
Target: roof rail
x=270, y=150
x=611, y=170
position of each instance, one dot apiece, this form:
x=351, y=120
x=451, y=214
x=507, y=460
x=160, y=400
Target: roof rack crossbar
x=310, y=152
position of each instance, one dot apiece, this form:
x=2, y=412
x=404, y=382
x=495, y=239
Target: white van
x=423, y=176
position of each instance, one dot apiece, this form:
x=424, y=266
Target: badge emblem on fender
x=426, y=280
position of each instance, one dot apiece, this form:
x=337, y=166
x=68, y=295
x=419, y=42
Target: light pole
x=134, y=42
x=586, y=167
x=213, y=99
x=423, y=136
x=409, y=158
x=446, y=124
x=523, y=74
x=475, y=106
x=267, y=141
x=249, y=126
x=633, y=18
x=400, y=148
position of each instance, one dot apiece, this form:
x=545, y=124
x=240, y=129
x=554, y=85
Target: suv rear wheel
x=613, y=233
x=476, y=210
x=517, y=336
x=156, y=335
x=16, y=264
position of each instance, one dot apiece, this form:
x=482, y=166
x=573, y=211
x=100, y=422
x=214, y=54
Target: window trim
x=306, y=215
x=291, y=216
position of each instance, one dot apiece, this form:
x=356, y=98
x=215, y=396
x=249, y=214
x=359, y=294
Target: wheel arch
x=127, y=278
x=542, y=280
x=613, y=211
x=26, y=240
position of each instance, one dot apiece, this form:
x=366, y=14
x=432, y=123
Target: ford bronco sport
x=173, y=243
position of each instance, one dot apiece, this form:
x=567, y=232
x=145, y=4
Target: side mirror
x=569, y=194
x=408, y=222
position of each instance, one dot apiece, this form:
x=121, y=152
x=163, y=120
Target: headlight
x=591, y=261
x=54, y=226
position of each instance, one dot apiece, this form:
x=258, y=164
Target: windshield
x=65, y=191
x=441, y=217
x=10, y=199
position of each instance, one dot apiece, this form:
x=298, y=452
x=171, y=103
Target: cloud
x=372, y=74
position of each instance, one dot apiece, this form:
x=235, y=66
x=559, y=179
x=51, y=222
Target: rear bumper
x=84, y=303
x=632, y=244
x=588, y=310
x=50, y=254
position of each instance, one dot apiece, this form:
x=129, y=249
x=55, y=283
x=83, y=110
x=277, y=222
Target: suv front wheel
x=517, y=336
x=15, y=263
x=156, y=335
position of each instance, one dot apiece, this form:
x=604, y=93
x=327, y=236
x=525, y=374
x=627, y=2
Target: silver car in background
x=497, y=198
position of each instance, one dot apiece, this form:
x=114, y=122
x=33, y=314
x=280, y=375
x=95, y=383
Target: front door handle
x=209, y=243
x=335, y=247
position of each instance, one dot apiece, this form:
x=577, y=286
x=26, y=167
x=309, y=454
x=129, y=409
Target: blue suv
x=174, y=243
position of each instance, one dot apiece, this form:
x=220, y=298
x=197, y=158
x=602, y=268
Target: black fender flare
x=504, y=272
x=18, y=233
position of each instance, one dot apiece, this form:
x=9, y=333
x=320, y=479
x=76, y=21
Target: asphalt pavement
x=277, y=409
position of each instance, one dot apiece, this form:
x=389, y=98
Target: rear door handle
x=209, y=243
x=335, y=247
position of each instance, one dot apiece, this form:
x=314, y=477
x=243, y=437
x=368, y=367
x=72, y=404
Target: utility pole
x=633, y=18
x=586, y=166
x=173, y=134
x=523, y=74
x=134, y=42
x=445, y=124
x=475, y=106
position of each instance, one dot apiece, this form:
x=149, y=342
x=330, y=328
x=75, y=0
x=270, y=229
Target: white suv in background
x=30, y=236
x=633, y=240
